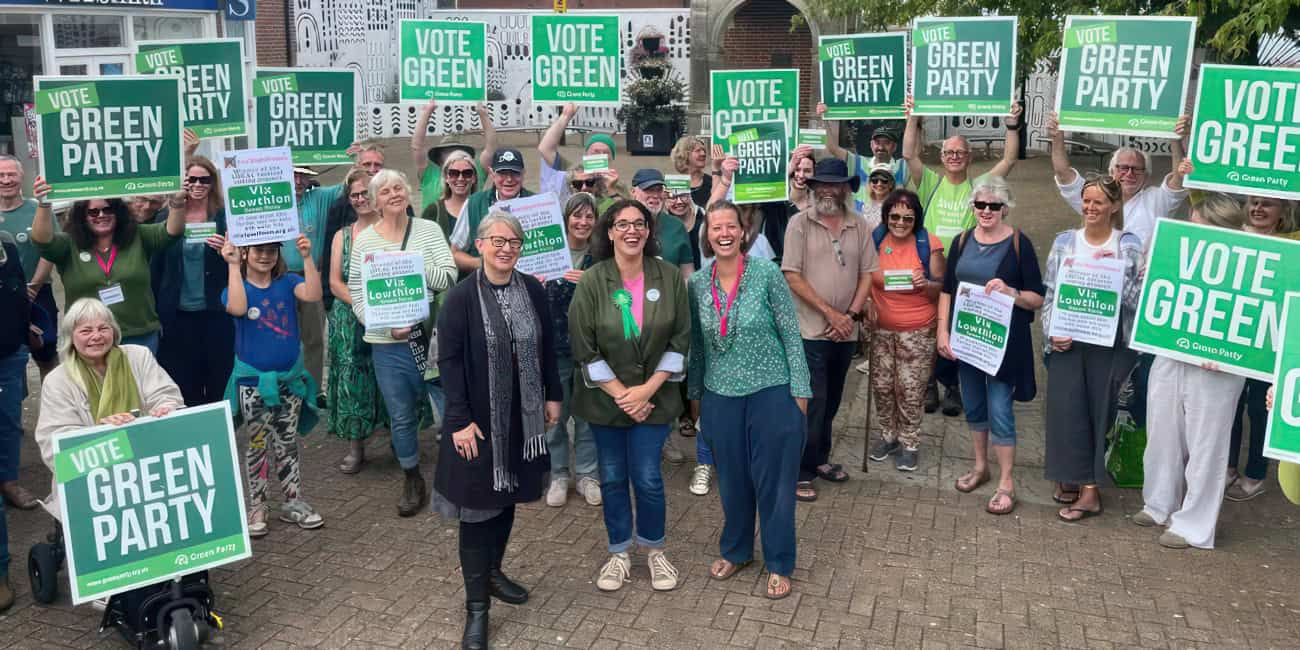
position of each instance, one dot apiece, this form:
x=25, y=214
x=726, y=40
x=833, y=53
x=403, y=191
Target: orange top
x=902, y=310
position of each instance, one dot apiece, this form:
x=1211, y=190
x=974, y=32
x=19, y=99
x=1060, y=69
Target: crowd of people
x=735, y=324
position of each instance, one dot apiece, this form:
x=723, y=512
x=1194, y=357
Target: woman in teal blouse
x=747, y=365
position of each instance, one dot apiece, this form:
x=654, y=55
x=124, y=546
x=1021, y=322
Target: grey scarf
x=512, y=331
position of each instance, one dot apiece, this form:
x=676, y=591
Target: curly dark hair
x=601, y=246
x=908, y=198
x=77, y=228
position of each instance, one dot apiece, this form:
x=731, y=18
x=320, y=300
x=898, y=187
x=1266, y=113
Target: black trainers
x=932, y=397
x=952, y=401
x=905, y=461
x=882, y=450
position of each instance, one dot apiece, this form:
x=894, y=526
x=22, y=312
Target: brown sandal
x=970, y=481
x=729, y=568
x=1011, y=502
x=774, y=585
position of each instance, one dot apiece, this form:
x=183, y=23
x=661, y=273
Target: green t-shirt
x=947, y=206
x=18, y=222
x=431, y=183
x=84, y=278
x=674, y=242
x=313, y=210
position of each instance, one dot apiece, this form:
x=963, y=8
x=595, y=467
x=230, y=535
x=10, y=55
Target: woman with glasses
x=459, y=180
x=879, y=185
x=1084, y=379
x=103, y=253
x=197, y=338
x=997, y=257
x=904, y=293
x=496, y=357
x=629, y=326
x=355, y=407
x=603, y=186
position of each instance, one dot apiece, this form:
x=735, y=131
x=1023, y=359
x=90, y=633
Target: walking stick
x=866, y=433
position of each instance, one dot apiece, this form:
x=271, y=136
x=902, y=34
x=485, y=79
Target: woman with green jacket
x=629, y=327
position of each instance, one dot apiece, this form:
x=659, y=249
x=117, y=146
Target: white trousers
x=1189, y=419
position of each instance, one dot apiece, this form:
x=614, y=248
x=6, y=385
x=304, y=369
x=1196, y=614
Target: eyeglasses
x=502, y=242
x=954, y=153
x=881, y=181
x=460, y=173
x=584, y=183
x=839, y=253
x=95, y=212
x=902, y=218
x=357, y=196
x=201, y=180
x=624, y=226
x=1130, y=169
x=988, y=205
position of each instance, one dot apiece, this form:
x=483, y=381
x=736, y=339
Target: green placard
x=1124, y=75
x=150, y=501
x=213, y=100
x=963, y=66
x=1212, y=294
x=395, y=290
x=763, y=152
x=752, y=96
x=444, y=60
x=863, y=76
x=1246, y=131
x=546, y=239
x=259, y=198
x=1282, y=439
x=984, y=330
x=104, y=137
x=575, y=59
x=311, y=111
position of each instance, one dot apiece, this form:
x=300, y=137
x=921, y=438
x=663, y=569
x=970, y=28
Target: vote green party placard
x=1124, y=74
x=963, y=66
x=751, y=96
x=1282, y=439
x=149, y=501
x=1246, y=131
x=1212, y=294
x=762, y=151
x=443, y=59
x=213, y=99
x=102, y=137
x=312, y=111
x=864, y=76
x=575, y=59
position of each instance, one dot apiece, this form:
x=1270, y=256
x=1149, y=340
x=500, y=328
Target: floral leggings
x=900, y=369
x=279, y=426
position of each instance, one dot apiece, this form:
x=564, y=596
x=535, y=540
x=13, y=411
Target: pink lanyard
x=107, y=266
x=731, y=297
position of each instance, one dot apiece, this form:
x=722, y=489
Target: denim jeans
x=703, y=454
x=557, y=438
x=403, y=386
x=437, y=398
x=149, y=340
x=13, y=388
x=632, y=453
x=987, y=402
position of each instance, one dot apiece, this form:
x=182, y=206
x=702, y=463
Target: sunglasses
x=988, y=205
x=200, y=180
x=460, y=173
x=95, y=212
x=585, y=183
x=902, y=218
x=876, y=180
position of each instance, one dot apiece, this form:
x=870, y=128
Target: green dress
x=355, y=406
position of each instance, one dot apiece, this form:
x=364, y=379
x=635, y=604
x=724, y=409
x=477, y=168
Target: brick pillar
x=274, y=34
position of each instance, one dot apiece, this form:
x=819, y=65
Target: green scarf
x=115, y=392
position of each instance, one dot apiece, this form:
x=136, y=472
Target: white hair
x=384, y=178
x=1114, y=159
x=997, y=186
x=83, y=310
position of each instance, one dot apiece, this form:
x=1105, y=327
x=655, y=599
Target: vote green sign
x=864, y=76
x=102, y=137
x=963, y=66
x=310, y=110
x=1282, y=439
x=1212, y=294
x=575, y=59
x=1124, y=74
x=762, y=151
x=1246, y=131
x=443, y=59
x=751, y=96
x=213, y=100
x=149, y=501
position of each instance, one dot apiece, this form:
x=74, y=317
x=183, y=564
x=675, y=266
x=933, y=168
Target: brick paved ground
x=886, y=560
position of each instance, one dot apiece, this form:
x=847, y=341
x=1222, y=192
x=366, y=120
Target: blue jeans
x=403, y=386
x=987, y=402
x=149, y=340
x=437, y=398
x=557, y=438
x=703, y=454
x=13, y=388
x=632, y=453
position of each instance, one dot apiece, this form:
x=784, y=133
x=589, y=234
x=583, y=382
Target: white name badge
x=112, y=294
x=898, y=280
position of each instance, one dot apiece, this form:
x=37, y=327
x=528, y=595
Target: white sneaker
x=663, y=575
x=864, y=367
x=700, y=480
x=558, y=493
x=672, y=454
x=589, y=488
x=616, y=573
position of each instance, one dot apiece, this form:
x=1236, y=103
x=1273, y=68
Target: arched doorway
x=754, y=34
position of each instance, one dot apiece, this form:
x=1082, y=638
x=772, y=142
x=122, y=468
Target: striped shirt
x=426, y=239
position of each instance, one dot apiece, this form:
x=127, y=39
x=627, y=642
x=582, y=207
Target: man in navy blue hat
x=507, y=183
x=674, y=243
x=828, y=260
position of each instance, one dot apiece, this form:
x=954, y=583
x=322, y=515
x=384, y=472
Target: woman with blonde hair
x=459, y=180
x=691, y=156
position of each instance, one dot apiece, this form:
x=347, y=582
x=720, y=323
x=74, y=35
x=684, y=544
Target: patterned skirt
x=356, y=408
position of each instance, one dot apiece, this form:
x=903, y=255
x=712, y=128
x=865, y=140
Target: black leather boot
x=476, y=627
x=413, y=493
x=502, y=587
x=475, y=563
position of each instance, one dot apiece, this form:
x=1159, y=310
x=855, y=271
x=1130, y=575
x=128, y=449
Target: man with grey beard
x=828, y=260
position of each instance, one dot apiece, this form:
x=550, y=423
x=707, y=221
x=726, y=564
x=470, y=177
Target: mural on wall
x=362, y=35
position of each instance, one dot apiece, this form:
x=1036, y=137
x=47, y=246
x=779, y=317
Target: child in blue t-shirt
x=263, y=297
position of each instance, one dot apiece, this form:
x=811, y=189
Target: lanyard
x=731, y=296
x=107, y=267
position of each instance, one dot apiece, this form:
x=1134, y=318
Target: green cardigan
x=596, y=336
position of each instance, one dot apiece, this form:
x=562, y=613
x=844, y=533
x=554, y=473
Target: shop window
x=166, y=28
x=82, y=32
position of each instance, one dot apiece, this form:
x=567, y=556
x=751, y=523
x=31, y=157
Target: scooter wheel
x=43, y=572
x=182, y=633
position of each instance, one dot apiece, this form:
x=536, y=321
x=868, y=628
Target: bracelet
x=44, y=204
x=716, y=172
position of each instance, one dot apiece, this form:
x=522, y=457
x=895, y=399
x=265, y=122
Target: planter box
x=656, y=141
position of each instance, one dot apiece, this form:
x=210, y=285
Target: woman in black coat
x=496, y=358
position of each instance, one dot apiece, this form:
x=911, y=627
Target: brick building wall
x=574, y=4
x=760, y=37
x=274, y=33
